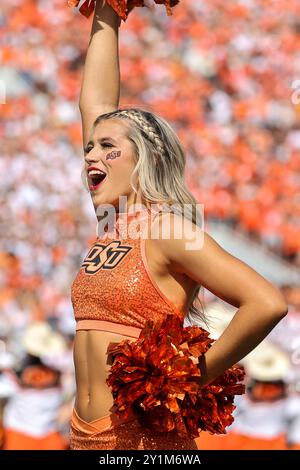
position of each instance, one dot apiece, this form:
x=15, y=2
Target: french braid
x=146, y=127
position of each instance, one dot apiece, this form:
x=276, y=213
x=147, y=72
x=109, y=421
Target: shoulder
x=176, y=237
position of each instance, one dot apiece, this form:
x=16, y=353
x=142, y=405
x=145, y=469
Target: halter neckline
x=141, y=213
x=140, y=210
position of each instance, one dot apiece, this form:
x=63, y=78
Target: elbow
x=83, y=107
x=278, y=309
x=80, y=106
x=95, y=107
x=283, y=311
x=82, y=102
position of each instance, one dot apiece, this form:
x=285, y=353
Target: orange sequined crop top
x=114, y=289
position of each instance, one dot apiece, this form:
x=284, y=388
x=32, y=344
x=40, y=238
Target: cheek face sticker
x=114, y=154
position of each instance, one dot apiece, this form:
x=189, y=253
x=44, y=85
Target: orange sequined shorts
x=112, y=433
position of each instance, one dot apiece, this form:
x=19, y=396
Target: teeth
x=96, y=172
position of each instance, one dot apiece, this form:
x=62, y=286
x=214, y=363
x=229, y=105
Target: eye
x=88, y=149
x=107, y=145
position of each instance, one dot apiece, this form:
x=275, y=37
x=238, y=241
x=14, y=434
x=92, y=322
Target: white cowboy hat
x=266, y=362
x=40, y=339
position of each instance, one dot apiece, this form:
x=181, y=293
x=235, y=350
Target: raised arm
x=100, y=89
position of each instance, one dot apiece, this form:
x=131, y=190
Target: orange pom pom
x=156, y=378
x=86, y=8
x=121, y=7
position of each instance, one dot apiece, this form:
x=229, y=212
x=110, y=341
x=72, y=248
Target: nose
x=93, y=157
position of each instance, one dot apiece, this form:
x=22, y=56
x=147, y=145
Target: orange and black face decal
x=114, y=154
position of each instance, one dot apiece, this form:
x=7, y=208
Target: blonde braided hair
x=145, y=126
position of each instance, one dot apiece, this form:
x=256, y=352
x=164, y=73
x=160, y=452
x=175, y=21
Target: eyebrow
x=106, y=138
x=91, y=142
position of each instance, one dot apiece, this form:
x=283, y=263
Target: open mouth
x=96, y=178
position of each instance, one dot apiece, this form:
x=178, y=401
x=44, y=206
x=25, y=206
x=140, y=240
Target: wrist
x=202, y=366
x=103, y=9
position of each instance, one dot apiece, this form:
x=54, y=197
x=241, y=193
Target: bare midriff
x=92, y=365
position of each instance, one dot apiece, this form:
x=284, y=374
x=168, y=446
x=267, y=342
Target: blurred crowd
x=224, y=74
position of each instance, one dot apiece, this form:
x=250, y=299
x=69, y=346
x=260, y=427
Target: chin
x=103, y=201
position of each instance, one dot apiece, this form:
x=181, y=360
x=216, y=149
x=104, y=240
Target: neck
x=116, y=218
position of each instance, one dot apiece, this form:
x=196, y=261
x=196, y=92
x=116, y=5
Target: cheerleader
x=126, y=280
